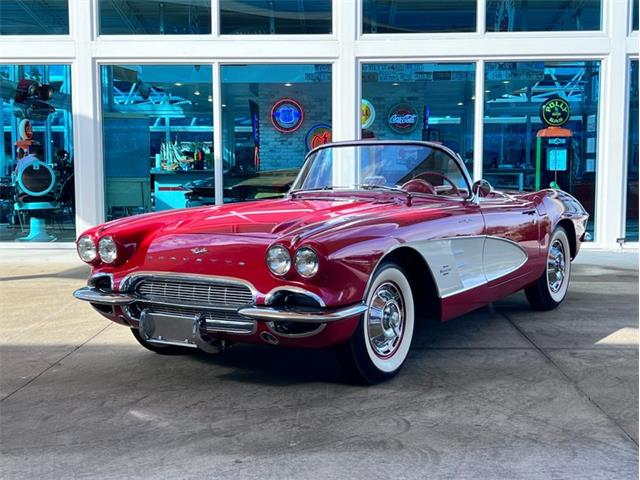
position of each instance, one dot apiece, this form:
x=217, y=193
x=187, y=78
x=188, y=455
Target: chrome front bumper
x=254, y=312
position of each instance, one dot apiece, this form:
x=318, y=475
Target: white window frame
x=346, y=48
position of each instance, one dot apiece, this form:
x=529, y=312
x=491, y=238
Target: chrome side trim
x=320, y=316
x=459, y=264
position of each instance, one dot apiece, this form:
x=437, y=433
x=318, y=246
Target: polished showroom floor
x=502, y=393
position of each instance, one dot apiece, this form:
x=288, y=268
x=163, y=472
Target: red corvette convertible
x=372, y=237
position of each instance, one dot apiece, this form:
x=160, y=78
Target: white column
x=345, y=75
x=85, y=94
x=478, y=120
x=217, y=135
x=611, y=152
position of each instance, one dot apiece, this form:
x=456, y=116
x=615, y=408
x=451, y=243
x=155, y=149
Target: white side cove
x=462, y=263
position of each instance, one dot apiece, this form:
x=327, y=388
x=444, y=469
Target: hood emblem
x=199, y=250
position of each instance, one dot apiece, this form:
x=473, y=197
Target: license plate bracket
x=167, y=329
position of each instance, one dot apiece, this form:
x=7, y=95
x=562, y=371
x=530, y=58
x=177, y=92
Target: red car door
x=510, y=221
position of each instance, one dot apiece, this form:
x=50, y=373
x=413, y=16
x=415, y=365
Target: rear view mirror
x=481, y=188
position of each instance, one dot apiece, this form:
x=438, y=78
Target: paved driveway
x=501, y=393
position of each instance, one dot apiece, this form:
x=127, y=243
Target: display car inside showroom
x=401, y=228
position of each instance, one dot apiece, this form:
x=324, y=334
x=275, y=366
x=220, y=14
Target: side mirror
x=481, y=188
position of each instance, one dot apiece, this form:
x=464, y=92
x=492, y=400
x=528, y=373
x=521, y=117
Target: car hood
x=271, y=218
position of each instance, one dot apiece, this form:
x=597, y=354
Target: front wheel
x=380, y=344
x=551, y=288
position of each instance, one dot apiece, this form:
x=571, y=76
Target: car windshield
x=403, y=167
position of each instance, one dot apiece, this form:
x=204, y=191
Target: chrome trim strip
x=268, y=300
x=93, y=295
x=326, y=316
x=484, y=281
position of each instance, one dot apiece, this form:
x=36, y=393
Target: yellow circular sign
x=368, y=113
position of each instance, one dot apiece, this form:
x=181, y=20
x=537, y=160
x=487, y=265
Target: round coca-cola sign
x=402, y=118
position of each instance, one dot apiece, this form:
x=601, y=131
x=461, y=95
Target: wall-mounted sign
x=318, y=135
x=402, y=118
x=368, y=113
x=555, y=112
x=287, y=115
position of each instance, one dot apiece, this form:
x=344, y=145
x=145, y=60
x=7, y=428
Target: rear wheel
x=380, y=344
x=162, y=349
x=551, y=288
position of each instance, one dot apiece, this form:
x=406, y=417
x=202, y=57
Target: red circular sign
x=402, y=118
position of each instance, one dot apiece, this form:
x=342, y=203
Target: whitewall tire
x=551, y=288
x=380, y=345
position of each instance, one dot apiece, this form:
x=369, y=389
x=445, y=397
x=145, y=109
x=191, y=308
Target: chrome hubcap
x=556, y=266
x=386, y=318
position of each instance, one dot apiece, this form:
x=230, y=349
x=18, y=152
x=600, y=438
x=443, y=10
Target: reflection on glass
x=420, y=101
x=272, y=115
x=34, y=17
x=416, y=16
x=520, y=151
x=37, y=201
x=266, y=17
x=634, y=23
x=148, y=17
x=158, y=137
x=418, y=169
x=632, y=157
x=543, y=15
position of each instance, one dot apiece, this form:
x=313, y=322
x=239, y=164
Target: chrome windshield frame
x=359, y=143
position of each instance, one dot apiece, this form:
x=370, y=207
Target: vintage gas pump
x=554, y=146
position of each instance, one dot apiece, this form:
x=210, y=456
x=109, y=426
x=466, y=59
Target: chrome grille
x=184, y=292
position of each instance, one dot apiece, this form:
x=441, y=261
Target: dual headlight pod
x=305, y=261
x=106, y=249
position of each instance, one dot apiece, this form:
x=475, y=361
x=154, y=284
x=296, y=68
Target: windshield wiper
x=372, y=186
x=314, y=189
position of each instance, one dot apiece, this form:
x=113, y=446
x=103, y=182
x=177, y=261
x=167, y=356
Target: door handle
x=529, y=212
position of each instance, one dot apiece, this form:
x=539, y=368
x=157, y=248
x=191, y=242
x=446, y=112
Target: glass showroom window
x=523, y=152
x=420, y=101
x=272, y=116
x=423, y=16
x=264, y=17
x=632, y=158
x=149, y=17
x=543, y=15
x=634, y=21
x=36, y=167
x=34, y=17
x=157, y=136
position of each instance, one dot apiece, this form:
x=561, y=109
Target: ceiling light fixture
x=288, y=84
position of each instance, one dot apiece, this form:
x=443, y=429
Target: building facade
x=118, y=107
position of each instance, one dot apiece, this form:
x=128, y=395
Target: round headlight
x=278, y=260
x=87, y=249
x=107, y=249
x=306, y=262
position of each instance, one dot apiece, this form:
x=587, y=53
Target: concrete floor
x=501, y=393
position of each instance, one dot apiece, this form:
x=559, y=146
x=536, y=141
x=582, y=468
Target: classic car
x=373, y=237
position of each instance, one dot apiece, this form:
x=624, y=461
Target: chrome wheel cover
x=556, y=266
x=386, y=319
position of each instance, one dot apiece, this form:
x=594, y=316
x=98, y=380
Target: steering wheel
x=454, y=189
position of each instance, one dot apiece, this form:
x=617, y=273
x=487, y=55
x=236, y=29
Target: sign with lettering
x=402, y=118
x=555, y=112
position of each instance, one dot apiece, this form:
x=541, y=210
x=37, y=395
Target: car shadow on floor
x=277, y=365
